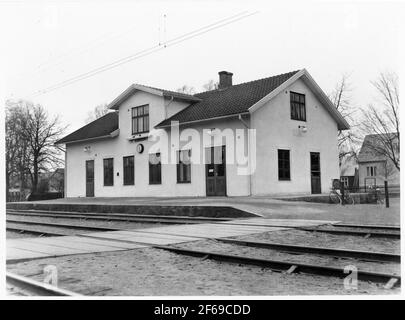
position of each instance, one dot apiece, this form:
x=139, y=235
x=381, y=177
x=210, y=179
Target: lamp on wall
x=211, y=131
x=86, y=149
x=303, y=128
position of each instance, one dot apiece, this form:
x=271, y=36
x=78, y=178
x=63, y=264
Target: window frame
x=125, y=182
x=104, y=172
x=371, y=171
x=345, y=181
x=299, y=107
x=152, y=166
x=140, y=115
x=180, y=164
x=281, y=169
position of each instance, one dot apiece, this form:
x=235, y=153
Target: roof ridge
x=167, y=90
x=249, y=82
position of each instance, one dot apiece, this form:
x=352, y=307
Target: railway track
x=381, y=231
x=351, y=232
x=390, y=280
x=341, y=253
x=36, y=232
x=119, y=217
x=378, y=230
x=368, y=226
x=61, y=225
x=35, y=288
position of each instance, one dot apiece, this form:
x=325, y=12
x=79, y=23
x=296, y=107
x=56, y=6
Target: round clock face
x=139, y=148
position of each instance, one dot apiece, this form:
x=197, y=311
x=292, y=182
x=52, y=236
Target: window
x=108, y=172
x=129, y=173
x=345, y=181
x=140, y=119
x=183, y=166
x=283, y=164
x=155, y=169
x=372, y=171
x=297, y=103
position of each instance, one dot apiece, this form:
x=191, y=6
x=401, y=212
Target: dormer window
x=140, y=119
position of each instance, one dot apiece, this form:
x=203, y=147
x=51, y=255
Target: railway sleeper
x=278, y=265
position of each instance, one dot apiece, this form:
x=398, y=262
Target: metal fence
x=371, y=193
x=16, y=196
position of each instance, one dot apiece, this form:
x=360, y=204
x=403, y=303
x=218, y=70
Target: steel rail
x=368, y=226
x=158, y=219
x=103, y=218
x=35, y=232
x=393, y=235
x=133, y=218
x=60, y=225
x=288, y=266
x=110, y=215
x=366, y=255
x=37, y=288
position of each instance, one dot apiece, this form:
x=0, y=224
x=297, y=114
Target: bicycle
x=379, y=196
x=336, y=197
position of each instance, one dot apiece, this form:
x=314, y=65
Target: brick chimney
x=225, y=79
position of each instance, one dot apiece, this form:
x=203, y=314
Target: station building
x=271, y=136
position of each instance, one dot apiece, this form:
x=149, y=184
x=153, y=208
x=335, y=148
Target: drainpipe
x=249, y=158
x=171, y=100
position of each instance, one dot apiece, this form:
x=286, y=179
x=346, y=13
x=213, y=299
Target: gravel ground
x=262, y=253
x=320, y=239
x=153, y=272
x=16, y=235
x=15, y=291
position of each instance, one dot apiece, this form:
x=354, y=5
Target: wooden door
x=90, y=178
x=315, y=173
x=215, y=171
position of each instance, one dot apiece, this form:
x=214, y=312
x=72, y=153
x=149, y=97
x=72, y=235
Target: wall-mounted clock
x=140, y=148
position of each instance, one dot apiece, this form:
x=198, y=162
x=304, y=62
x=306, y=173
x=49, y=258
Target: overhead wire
x=148, y=51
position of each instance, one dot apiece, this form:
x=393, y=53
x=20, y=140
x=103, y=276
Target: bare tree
x=210, y=85
x=16, y=149
x=35, y=135
x=186, y=89
x=98, y=112
x=382, y=120
x=348, y=140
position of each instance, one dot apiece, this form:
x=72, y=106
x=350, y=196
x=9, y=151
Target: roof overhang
x=111, y=135
x=203, y=120
x=137, y=87
x=310, y=82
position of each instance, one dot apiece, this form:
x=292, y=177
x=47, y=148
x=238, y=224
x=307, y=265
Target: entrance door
x=90, y=178
x=215, y=171
x=315, y=173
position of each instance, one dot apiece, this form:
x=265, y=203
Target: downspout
x=249, y=157
x=170, y=101
x=65, y=176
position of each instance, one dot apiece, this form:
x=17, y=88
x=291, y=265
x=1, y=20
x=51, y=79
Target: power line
x=57, y=60
x=136, y=55
x=148, y=51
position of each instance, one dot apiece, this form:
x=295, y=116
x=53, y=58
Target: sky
x=44, y=43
